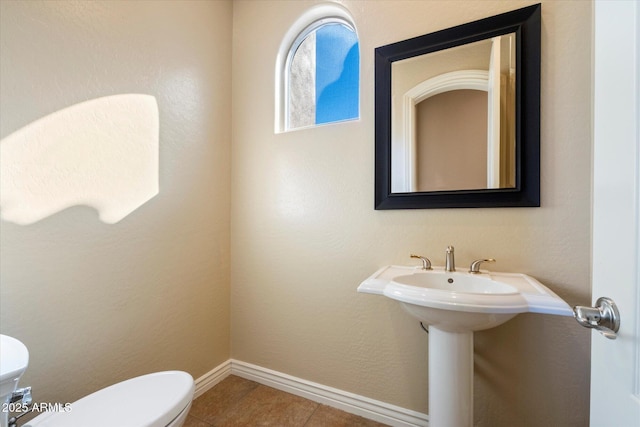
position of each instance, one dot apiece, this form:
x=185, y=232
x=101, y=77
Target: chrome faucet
x=450, y=262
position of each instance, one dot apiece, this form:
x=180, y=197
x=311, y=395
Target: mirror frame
x=526, y=24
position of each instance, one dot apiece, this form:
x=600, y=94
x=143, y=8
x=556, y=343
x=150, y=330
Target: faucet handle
x=426, y=263
x=475, y=265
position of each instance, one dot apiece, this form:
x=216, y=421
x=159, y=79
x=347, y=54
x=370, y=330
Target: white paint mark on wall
x=102, y=153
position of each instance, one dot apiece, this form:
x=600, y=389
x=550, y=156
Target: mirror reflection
x=453, y=118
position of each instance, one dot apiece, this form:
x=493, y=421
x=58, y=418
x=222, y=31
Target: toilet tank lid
x=147, y=401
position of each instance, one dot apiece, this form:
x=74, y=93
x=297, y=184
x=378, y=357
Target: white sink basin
x=461, y=301
x=454, y=282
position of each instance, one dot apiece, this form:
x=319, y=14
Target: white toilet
x=14, y=358
x=161, y=399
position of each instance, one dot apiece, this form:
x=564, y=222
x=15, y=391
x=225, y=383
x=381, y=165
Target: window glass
x=323, y=81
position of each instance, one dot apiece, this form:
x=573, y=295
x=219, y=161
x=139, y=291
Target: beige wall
x=305, y=234
x=98, y=303
x=451, y=129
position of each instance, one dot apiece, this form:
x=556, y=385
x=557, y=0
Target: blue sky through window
x=337, y=74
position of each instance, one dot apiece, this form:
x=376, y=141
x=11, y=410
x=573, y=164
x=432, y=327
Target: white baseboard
x=212, y=378
x=343, y=400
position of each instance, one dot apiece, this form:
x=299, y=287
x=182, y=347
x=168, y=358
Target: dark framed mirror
x=457, y=116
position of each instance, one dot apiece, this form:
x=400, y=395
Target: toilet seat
x=152, y=400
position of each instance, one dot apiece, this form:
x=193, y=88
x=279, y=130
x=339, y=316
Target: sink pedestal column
x=450, y=378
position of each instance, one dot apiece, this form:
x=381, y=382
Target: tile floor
x=236, y=401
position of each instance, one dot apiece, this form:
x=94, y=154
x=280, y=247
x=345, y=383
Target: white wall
x=97, y=303
x=304, y=231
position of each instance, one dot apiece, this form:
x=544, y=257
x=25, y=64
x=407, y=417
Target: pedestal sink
x=454, y=304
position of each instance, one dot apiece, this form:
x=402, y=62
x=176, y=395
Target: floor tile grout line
x=238, y=402
x=198, y=418
x=311, y=415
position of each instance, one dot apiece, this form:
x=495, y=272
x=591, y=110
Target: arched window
x=318, y=70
